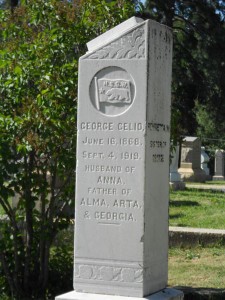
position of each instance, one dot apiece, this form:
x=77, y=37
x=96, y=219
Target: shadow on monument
x=201, y=293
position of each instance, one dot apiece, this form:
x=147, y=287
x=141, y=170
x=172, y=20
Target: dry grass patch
x=198, y=267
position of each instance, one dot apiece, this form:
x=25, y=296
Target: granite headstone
x=219, y=165
x=122, y=191
x=190, y=166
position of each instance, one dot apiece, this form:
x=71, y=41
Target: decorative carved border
x=131, y=46
x=109, y=273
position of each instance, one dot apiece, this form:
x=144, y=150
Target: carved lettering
x=129, y=141
x=102, y=191
x=92, y=155
x=93, y=141
x=126, y=203
x=96, y=126
x=114, y=216
x=109, y=180
x=131, y=126
x=103, y=168
x=158, y=158
x=158, y=144
x=158, y=127
x=92, y=202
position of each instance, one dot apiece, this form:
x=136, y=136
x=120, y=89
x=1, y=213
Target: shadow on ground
x=183, y=203
x=176, y=216
x=191, y=293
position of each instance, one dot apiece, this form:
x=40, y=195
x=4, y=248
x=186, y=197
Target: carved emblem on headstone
x=112, y=91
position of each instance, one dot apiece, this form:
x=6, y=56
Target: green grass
x=208, y=183
x=197, y=267
x=215, y=182
x=197, y=208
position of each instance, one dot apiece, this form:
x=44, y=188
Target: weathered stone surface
x=219, y=165
x=190, y=167
x=176, y=182
x=122, y=191
x=166, y=294
x=190, y=237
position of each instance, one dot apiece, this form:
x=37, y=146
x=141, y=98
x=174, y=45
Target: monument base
x=177, y=185
x=166, y=294
x=194, y=175
x=218, y=178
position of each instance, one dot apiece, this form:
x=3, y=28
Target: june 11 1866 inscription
x=122, y=162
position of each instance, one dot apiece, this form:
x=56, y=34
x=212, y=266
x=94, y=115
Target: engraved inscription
x=109, y=198
x=92, y=155
x=93, y=141
x=113, y=216
x=158, y=127
x=110, y=180
x=158, y=144
x=93, y=202
x=131, y=46
x=97, y=126
x=109, y=126
x=102, y=191
x=157, y=158
x=103, y=168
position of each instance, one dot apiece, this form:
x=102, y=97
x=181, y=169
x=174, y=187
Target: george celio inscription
x=113, y=162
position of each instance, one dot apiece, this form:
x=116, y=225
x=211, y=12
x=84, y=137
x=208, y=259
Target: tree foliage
x=199, y=57
x=40, y=43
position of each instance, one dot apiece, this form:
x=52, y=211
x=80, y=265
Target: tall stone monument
x=219, y=165
x=190, y=166
x=122, y=190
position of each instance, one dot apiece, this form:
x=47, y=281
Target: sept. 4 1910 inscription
x=123, y=162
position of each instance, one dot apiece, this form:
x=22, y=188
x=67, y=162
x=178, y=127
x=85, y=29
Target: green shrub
x=40, y=43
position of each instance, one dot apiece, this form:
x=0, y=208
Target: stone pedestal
x=166, y=294
x=190, y=167
x=176, y=182
x=122, y=192
x=219, y=165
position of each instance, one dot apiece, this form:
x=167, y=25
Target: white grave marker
x=122, y=189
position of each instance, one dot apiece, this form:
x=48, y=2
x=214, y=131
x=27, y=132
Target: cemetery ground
x=197, y=208
x=197, y=266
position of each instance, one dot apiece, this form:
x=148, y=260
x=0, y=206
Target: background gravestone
x=219, y=165
x=122, y=191
x=176, y=182
x=190, y=166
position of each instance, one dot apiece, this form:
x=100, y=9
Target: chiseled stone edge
x=129, y=46
x=166, y=294
x=113, y=33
